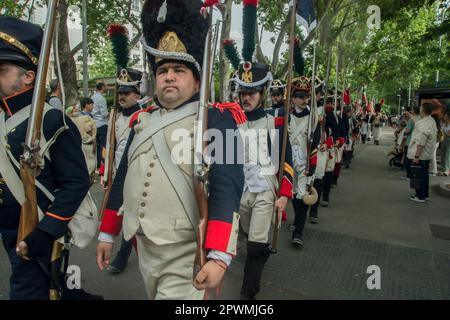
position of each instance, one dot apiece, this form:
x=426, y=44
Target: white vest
x=298, y=135
x=259, y=171
x=150, y=200
x=123, y=130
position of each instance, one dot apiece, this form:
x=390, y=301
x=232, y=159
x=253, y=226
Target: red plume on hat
x=118, y=35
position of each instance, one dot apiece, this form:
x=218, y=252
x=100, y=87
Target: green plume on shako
x=249, y=28
x=229, y=46
x=118, y=35
x=299, y=61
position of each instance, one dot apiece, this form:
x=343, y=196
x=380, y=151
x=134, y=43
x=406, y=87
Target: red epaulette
x=235, y=109
x=134, y=117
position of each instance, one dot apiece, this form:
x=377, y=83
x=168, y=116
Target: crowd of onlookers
x=421, y=134
x=90, y=115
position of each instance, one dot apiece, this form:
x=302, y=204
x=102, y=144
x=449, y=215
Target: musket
x=286, y=120
x=119, y=37
x=31, y=159
x=201, y=164
x=109, y=157
x=313, y=111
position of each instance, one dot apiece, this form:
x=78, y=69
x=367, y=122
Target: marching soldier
x=153, y=192
x=322, y=152
x=333, y=134
x=129, y=97
x=300, y=125
x=262, y=136
x=377, y=124
x=277, y=90
x=20, y=45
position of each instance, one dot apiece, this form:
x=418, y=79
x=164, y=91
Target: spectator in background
x=55, y=95
x=439, y=139
x=445, y=145
x=86, y=106
x=73, y=111
x=415, y=116
x=100, y=115
x=421, y=148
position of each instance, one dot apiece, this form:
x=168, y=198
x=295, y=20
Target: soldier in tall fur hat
x=153, y=194
x=262, y=135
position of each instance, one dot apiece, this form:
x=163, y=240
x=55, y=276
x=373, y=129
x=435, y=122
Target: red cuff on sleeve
x=341, y=141
x=218, y=235
x=330, y=142
x=313, y=160
x=279, y=121
x=101, y=170
x=111, y=222
x=286, y=188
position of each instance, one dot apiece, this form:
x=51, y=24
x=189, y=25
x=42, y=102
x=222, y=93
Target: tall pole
x=440, y=44
x=409, y=95
x=399, y=99
x=85, y=52
x=337, y=79
x=286, y=118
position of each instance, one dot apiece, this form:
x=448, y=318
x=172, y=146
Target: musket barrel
x=34, y=123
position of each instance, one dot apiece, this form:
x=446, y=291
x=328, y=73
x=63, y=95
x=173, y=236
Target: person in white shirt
x=421, y=148
x=100, y=115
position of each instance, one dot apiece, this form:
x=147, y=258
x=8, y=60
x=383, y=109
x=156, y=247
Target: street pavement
x=370, y=225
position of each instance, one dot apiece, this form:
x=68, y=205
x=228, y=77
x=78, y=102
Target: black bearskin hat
x=174, y=30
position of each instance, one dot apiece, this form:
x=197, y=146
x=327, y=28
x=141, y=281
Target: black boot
x=257, y=255
x=327, y=179
x=120, y=262
x=301, y=210
x=313, y=214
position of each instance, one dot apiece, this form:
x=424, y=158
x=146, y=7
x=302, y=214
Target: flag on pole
x=346, y=97
x=364, y=95
x=306, y=15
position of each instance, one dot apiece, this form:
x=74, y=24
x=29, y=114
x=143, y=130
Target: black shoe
x=313, y=220
x=119, y=264
x=324, y=203
x=297, y=240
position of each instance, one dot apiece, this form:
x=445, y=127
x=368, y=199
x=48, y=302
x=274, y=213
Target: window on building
x=136, y=5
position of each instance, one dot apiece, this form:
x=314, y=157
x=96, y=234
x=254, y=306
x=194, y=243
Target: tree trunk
x=260, y=57
x=279, y=42
x=68, y=67
x=225, y=9
x=329, y=58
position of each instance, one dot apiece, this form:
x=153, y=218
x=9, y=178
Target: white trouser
x=256, y=213
x=167, y=269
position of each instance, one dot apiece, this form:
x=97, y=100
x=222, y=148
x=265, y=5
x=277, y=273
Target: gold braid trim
x=19, y=45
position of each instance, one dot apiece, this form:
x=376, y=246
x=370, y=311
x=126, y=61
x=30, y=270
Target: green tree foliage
x=105, y=65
